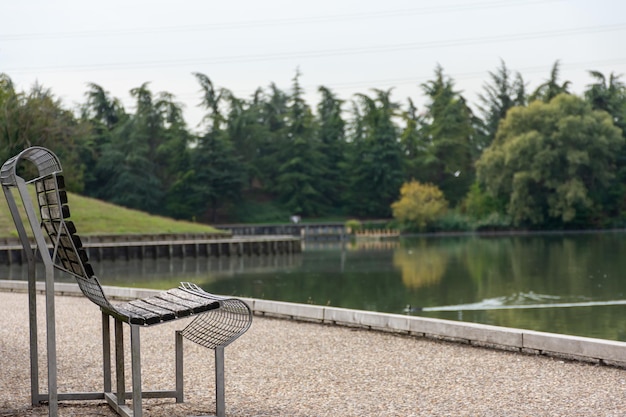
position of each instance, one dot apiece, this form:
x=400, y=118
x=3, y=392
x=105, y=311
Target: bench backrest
x=67, y=252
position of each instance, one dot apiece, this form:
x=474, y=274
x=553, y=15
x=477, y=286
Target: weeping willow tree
x=553, y=163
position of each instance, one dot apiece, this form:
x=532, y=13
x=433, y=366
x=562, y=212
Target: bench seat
x=165, y=306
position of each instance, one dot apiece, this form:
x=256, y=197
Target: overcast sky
x=350, y=46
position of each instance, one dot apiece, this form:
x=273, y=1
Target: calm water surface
x=563, y=283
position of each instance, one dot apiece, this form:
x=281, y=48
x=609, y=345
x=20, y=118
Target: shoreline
x=578, y=348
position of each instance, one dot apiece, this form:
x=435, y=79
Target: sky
x=349, y=46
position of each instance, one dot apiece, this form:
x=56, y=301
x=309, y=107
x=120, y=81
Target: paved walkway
x=283, y=368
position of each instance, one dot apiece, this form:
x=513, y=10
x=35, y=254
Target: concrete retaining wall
x=527, y=341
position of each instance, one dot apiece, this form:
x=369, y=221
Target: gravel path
x=284, y=368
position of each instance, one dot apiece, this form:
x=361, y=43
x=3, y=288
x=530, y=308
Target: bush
x=493, y=222
x=353, y=225
x=419, y=205
x=480, y=204
x=453, y=221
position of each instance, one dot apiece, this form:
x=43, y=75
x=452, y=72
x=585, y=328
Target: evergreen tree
x=211, y=99
x=102, y=108
x=332, y=140
x=274, y=116
x=246, y=133
x=413, y=146
x=104, y=114
x=375, y=157
x=300, y=169
x=500, y=94
x=450, y=135
x=173, y=157
x=217, y=175
x=610, y=96
x=127, y=169
x=11, y=135
x=551, y=87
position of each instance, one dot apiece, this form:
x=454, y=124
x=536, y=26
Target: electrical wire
x=380, y=14
x=328, y=52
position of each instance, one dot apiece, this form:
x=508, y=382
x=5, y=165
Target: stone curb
x=527, y=341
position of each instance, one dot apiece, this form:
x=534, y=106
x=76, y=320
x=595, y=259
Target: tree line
x=540, y=159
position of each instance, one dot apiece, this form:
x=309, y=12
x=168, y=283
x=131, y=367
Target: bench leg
x=53, y=394
x=119, y=363
x=179, y=366
x=32, y=316
x=106, y=352
x=220, y=405
x=135, y=355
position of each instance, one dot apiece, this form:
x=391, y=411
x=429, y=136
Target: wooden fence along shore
x=167, y=246
x=377, y=234
x=316, y=231
x=311, y=232
x=238, y=240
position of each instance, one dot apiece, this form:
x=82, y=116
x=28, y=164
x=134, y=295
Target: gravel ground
x=285, y=368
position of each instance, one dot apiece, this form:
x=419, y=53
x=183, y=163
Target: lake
x=562, y=283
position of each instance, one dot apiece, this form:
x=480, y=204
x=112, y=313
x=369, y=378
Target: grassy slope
x=94, y=217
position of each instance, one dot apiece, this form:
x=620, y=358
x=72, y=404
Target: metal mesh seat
x=219, y=327
x=217, y=322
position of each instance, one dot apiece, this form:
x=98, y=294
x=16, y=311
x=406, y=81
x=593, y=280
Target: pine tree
x=300, y=169
x=500, y=94
x=376, y=161
x=450, y=135
x=331, y=135
x=551, y=87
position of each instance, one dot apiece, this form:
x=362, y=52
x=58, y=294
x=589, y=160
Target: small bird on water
x=410, y=309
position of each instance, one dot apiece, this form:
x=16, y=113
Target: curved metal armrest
x=219, y=327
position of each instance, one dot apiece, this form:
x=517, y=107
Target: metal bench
x=217, y=321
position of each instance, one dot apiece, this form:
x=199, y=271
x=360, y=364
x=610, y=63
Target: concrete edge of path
x=586, y=349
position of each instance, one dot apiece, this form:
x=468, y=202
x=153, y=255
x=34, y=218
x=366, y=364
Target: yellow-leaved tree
x=419, y=205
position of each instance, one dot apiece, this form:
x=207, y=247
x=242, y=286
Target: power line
x=329, y=52
x=274, y=22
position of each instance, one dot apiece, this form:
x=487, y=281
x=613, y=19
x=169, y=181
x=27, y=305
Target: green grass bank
x=95, y=217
